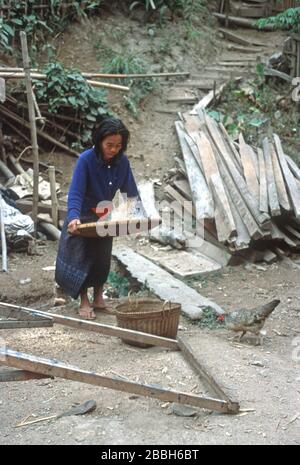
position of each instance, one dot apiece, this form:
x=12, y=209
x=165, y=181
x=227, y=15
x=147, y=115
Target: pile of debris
x=247, y=197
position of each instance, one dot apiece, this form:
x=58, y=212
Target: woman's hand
x=72, y=226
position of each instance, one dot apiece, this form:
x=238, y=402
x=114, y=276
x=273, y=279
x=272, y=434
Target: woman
x=99, y=173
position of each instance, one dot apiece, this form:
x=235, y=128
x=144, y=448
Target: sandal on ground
x=87, y=313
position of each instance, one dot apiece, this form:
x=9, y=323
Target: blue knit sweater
x=95, y=180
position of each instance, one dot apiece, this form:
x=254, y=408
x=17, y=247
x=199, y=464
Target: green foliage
x=120, y=284
x=130, y=63
x=25, y=16
x=288, y=19
x=209, y=319
x=68, y=88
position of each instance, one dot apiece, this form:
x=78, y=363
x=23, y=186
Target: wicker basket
x=148, y=316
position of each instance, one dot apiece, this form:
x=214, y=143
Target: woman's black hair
x=110, y=127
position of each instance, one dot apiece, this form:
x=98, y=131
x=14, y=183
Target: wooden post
x=53, y=195
x=34, y=142
x=3, y=238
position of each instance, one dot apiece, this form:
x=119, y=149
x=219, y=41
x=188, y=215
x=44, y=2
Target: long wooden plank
x=262, y=219
x=239, y=39
x=201, y=195
x=163, y=284
x=271, y=184
x=281, y=189
x=232, y=149
x=182, y=263
x=291, y=185
x=249, y=168
x=203, y=373
x=293, y=167
x=100, y=328
x=61, y=370
x=243, y=239
x=263, y=188
x=226, y=227
x=237, y=205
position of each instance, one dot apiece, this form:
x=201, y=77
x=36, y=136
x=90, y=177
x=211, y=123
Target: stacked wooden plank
x=247, y=197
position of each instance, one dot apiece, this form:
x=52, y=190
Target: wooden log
x=182, y=100
x=263, y=188
x=53, y=195
x=61, y=370
x=243, y=22
x=280, y=185
x=7, y=173
x=201, y=195
x=271, y=184
x=3, y=237
x=290, y=181
x=50, y=230
x=249, y=167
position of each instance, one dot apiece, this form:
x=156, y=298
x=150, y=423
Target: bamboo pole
x=21, y=75
x=104, y=75
x=3, y=238
x=53, y=195
x=32, y=116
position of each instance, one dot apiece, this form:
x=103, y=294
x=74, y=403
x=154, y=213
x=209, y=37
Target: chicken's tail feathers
x=268, y=308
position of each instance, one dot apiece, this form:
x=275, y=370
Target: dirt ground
x=264, y=379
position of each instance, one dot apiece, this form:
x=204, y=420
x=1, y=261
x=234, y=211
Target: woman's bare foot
x=87, y=313
x=86, y=310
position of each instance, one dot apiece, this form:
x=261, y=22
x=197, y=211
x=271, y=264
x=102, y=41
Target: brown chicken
x=251, y=320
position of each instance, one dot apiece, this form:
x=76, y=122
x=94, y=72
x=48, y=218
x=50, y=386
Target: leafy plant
x=27, y=16
x=131, y=64
x=288, y=19
x=68, y=88
x=120, y=284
